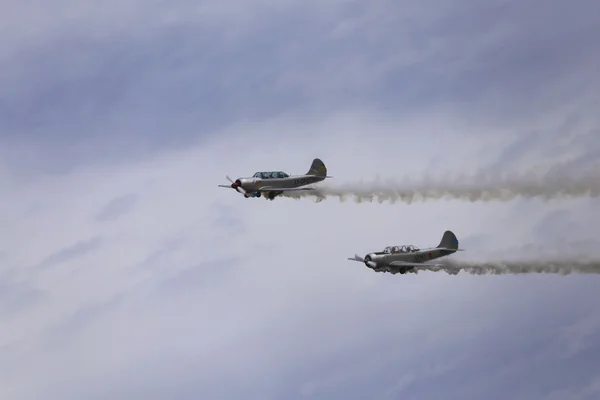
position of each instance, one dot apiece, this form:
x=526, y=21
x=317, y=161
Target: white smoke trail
x=560, y=267
x=480, y=187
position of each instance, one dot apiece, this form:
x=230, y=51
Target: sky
x=126, y=273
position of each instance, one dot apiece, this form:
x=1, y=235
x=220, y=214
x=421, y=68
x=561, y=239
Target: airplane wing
x=399, y=264
x=274, y=189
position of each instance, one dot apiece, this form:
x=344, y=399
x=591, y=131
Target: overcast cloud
x=125, y=273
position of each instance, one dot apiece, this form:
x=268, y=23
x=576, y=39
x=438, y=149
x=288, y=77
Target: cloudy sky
x=125, y=273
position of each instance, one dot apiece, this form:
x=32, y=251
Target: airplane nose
x=237, y=185
x=368, y=261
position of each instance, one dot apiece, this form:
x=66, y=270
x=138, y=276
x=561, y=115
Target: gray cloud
x=292, y=310
x=16, y=296
x=491, y=61
x=72, y=252
x=58, y=337
x=200, y=276
x=116, y=207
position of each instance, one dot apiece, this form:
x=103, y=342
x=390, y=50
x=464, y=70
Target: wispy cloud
x=116, y=207
x=71, y=252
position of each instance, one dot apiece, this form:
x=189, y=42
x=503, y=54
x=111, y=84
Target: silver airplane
x=401, y=259
x=273, y=183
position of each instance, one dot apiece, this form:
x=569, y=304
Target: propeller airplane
x=402, y=259
x=273, y=183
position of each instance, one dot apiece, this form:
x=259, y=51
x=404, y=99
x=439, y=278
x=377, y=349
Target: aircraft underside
x=395, y=270
x=272, y=195
x=267, y=195
x=404, y=270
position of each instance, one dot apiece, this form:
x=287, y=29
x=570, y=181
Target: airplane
x=402, y=259
x=274, y=183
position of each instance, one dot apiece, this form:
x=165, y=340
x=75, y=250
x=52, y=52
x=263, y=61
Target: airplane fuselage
x=254, y=186
x=382, y=260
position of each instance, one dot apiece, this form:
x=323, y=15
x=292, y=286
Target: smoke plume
x=479, y=187
x=517, y=267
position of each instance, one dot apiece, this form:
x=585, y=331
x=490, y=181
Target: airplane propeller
x=367, y=261
x=236, y=186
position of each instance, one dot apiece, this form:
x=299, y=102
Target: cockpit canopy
x=270, y=175
x=400, y=249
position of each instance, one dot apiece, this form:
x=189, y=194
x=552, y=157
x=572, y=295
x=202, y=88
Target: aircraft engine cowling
x=369, y=261
x=237, y=185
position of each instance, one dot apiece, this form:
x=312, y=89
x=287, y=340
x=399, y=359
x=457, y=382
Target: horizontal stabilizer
x=446, y=248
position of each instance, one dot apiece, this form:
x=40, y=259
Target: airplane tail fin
x=317, y=168
x=449, y=241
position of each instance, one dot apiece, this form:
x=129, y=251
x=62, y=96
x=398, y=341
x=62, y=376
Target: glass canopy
x=400, y=249
x=270, y=175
